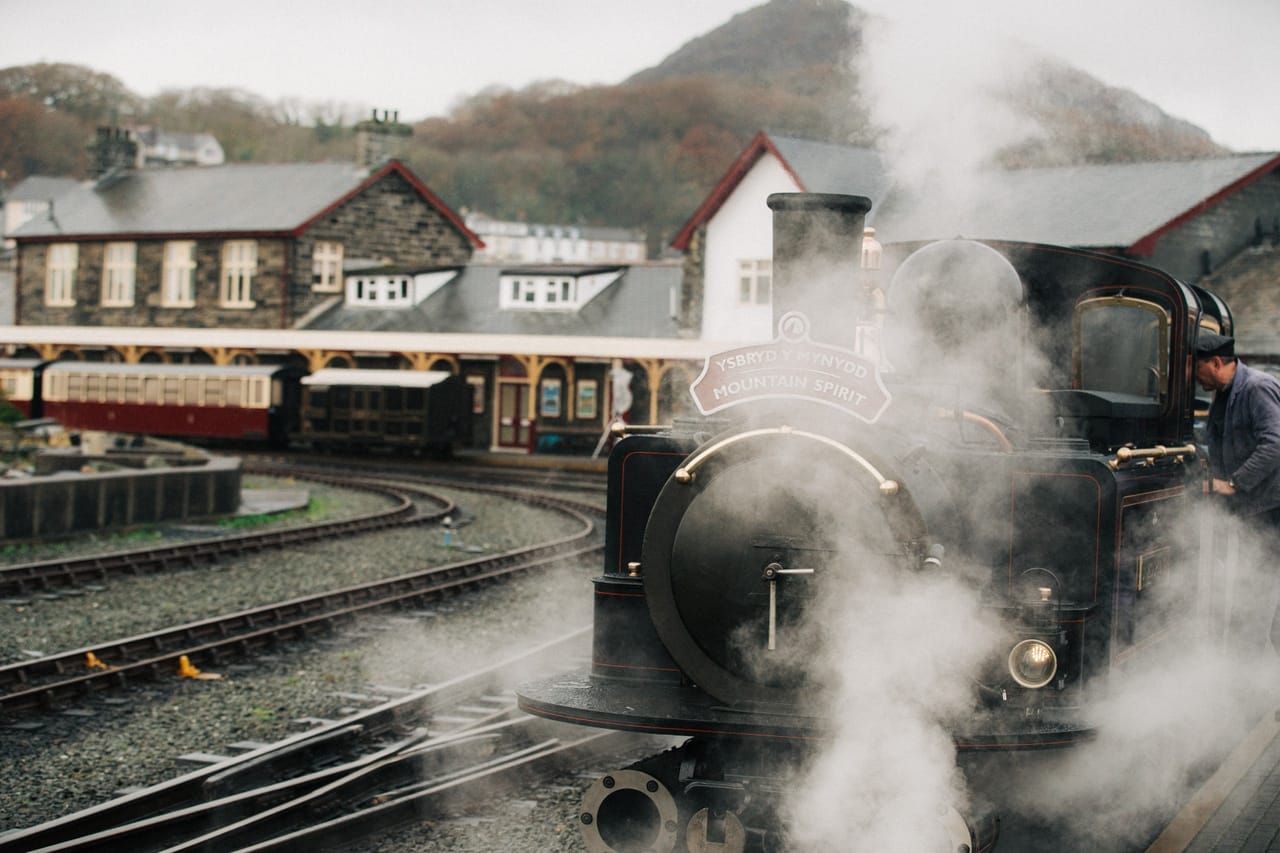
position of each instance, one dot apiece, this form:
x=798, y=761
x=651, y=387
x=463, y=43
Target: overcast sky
x=1215, y=63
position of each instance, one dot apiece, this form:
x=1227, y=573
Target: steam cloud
x=937, y=92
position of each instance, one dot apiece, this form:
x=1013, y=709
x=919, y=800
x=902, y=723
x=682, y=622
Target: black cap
x=1209, y=344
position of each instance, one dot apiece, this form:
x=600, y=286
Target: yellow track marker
x=187, y=670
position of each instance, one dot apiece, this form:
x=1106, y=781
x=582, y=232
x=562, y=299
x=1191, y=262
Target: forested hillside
x=640, y=154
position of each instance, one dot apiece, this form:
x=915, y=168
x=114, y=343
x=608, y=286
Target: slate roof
x=40, y=188
x=637, y=305
x=240, y=198
x=819, y=167
x=1119, y=205
x=828, y=168
x=1115, y=206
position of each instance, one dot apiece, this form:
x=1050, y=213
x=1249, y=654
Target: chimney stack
x=380, y=139
x=113, y=150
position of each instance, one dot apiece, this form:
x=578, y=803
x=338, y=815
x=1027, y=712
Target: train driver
x=1244, y=452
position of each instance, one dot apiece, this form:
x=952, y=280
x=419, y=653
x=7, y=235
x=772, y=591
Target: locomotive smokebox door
x=753, y=554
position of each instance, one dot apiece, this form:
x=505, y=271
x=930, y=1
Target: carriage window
x=213, y=392
x=233, y=392
x=75, y=388
x=1122, y=346
x=113, y=389
x=93, y=388
x=171, y=389
x=191, y=391
x=151, y=389
x=133, y=389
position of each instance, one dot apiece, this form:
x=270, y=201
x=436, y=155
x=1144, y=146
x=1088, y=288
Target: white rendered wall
x=741, y=229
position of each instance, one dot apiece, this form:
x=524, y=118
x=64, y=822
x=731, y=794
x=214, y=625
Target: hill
x=640, y=154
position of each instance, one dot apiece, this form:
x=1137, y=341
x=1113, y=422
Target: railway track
x=49, y=680
x=421, y=755
x=407, y=505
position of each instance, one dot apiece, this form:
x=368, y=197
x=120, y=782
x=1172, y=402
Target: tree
x=76, y=90
x=35, y=140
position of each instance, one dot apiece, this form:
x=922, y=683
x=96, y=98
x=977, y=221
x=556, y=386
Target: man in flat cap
x=1244, y=450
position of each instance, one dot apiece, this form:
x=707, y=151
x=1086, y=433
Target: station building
x=360, y=265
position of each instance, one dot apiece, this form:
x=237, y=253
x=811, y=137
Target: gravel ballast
x=120, y=738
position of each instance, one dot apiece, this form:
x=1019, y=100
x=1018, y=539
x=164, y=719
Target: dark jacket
x=1244, y=439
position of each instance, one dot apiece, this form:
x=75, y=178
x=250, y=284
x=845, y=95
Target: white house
x=507, y=241
x=734, y=227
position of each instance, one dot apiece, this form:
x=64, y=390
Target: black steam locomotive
x=1014, y=420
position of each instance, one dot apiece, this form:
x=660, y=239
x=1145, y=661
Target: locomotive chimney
x=817, y=260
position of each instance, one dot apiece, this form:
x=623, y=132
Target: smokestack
x=817, y=260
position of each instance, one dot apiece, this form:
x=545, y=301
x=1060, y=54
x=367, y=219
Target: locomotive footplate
x=576, y=698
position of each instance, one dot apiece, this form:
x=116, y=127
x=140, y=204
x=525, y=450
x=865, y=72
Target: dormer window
x=553, y=289
x=388, y=288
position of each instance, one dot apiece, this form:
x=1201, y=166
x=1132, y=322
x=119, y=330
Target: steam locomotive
x=999, y=428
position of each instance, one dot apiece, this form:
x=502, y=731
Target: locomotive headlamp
x=1032, y=663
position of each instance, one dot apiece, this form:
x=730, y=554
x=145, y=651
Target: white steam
x=937, y=87
x=903, y=655
x=1174, y=711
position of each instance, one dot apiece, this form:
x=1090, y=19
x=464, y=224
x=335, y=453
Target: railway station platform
x=272, y=501
x=1237, y=810
x=545, y=461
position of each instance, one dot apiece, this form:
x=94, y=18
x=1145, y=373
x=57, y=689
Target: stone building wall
x=389, y=221
x=1222, y=231
x=147, y=308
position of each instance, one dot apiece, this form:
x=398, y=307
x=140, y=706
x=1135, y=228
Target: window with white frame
x=537, y=292
x=239, y=264
x=179, y=288
x=60, y=274
x=550, y=398
x=587, y=399
x=380, y=290
x=326, y=266
x=755, y=281
x=119, y=268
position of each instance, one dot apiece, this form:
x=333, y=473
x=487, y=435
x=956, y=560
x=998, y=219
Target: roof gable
x=1125, y=206
x=1115, y=206
x=242, y=198
x=814, y=166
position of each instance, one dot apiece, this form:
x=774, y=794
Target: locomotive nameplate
x=792, y=367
